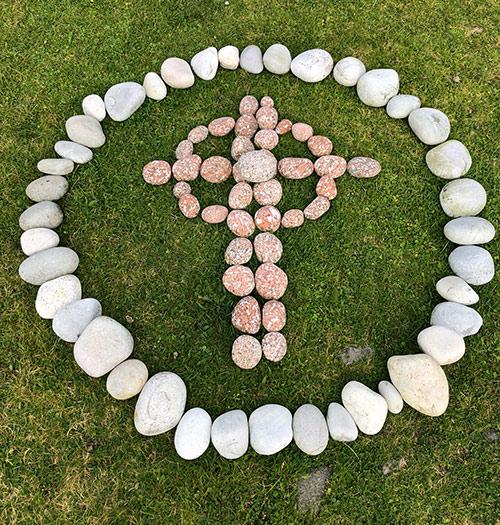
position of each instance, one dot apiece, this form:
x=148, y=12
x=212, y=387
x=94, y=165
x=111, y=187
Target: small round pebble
x=274, y=346
x=319, y=145
x=240, y=146
x=189, y=206
x=376, y=87
x=229, y=57
x=192, y=435
x=239, y=251
x=462, y=198
x=267, y=117
x=246, y=315
x=85, y=130
x=268, y=218
x=341, y=424
x=177, y=73
x=268, y=193
x=240, y=196
x=241, y=223
x=273, y=316
x=268, y=248
x=449, y=160
x=317, y=208
x=246, y=352
x=214, y=214
x=216, y=169
x=266, y=139
x=270, y=429
x=401, y=106
x=267, y=101
x=238, y=280
x=57, y=293
x=181, y=188
x=251, y=60
x=292, y=218
x=154, y=86
x=326, y=187
x=330, y=165
x=38, y=239
x=302, y=132
x=277, y=59
x=270, y=281
x=348, y=71
x=295, y=168
x=312, y=65
x=310, y=431
x=187, y=169
x=127, y=379
x=157, y=172
x=363, y=167
x=284, y=126
x=246, y=126
x=198, y=134
x=249, y=105
x=230, y=434
x=392, y=397
x=442, y=343
x=93, y=106
x=221, y=126
x=184, y=149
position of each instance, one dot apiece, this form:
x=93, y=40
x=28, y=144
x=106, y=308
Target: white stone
x=449, y=160
x=160, y=405
x=251, y=60
x=205, y=63
x=312, y=66
x=367, y=408
x=85, y=130
x=93, y=106
x=421, y=382
x=38, y=239
x=455, y=289
x=310, y=431
x=177, y=73
x=229, y=57
x=47, y=188
x=192, y=435
x=460, y=318
x=154, y=86
x=462, y=198
x=401, y=106
x=348, y=71
x=392, y=397
x=442, y=343
x=57, y=293
x=257, y=166
x=127, y=379
x=104, y=344
x=473, y=264
x=341, y=424
x=123, y=100
x=277, y=59
x=430, y=125
x=270, y=429
x=377, y=86
x=44, y=214
x=73, y=151
x=48, y=264
x=469, y=230
x=71, y=320
x=230, y=434
x=55, y=166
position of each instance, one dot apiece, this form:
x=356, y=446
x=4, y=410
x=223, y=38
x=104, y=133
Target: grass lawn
x=362, y=276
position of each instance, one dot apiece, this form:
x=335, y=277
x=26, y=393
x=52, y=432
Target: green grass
x=362, y=276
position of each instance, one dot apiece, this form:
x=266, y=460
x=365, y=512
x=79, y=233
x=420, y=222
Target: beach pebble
x=292, y=218
x=268, y=248
x=341, y=424
x=93, y=106
x=266, y=139
x=319, y=145
x=326, y=187
x=274, y=346
x=310, y=431
x=330, y=165
x=267, y=218
x=71, y=320
x=216, y=169
x=367, y=408
x=229, y=57
x=270, y=429
x=473, y=264
x=462, y=197
x=246, y=352
x=73, y=151
x=273, y=316
x=56, y=293
x=85, y=130
x=462, y=319
x=205, y=63
x=401, y=106
x=283, y=126
x=239, y=251
x=127, y=379
x=246, y=126
x=430, y=125
x=246, y=315
x=214, y=214
x=240, y=223
x=157, y=172
x=48, y=264
x=392, y=397
x=270, y=281
x=48, y=188
x=442, y=343
x=266, y=101
x=449, y=160
x=295, y=168
x=317, y=208
x=251, y=60
x=230, y=434
x=177, y=73
x=267, y=117
x=302, y=132
x=198, y=134
x=184, y=149
x=38, y=239
x=181, y=188
x=469, y=230
x=192, y=435
x=55, y=166
x=123, y=100
x=160, y=405
x=154, y=86
x=455, y=289
x=189, y=206
x=44, y=214
x=248, y=105
x=377, y=86
x=239, y=280
x=257, y=166
x=221, y=126
x=277, y=59
x=363, y=167
x=313, y=65
x=421, y=382
x=268, y=193
x=348, y=71
x=241, y=145
x=187, y=169
x=240, y=196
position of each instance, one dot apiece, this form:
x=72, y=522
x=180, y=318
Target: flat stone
x=187, y=169
x=267, y=117
x=302, y=131
x=123, y=100
x=214, y=214
x=442, y=343
x=239, y=251
x=295, y=168
x=198, y=134
x=93, y=106
x=460, y=318
x=189, y=206
x=348, y=71
x=267, y=218
x=241, y=145
x=103, y=344
x=363, y=167
x=127, y=379
x=240, y=196
x=246, y=315
x=216, y=169
x=332, y=165
x=73, y=151
x=157, y=172
x=469, y=230
x=177, y=73
x=246, y=126
x=192, y=435
x=311, y=489
x=71, y=320
x=449, y=160
x=368, y=409
x=248, y=105
x=230, y=434
x=270, y=281
x=455, y=289
x=392, y=397
x=273, y=316
x=48, y=188
x=266, y=139
x=38, y=239
x=421, y=382
x=326, y=187
x=341, y=424
x=257, y=166
x=85, y=130
x=268, y=248
x=277, y=59
x=319, y=145
x=430, y=125
x=181, y=188
x=238, y=280
x=268, y=193
x=57, y=293
x=270, y=429
x=160, y=405
x=229, y=57
x=401, y=106
x=292, y=219
x=274, y=346
x=317, y=208
x=44, y=214
x=283, y=126
x=462, y=197
x=154, y=86
x=55, y=166
x=473, y=264
x=312, y=66
x=376, y=87
x=251, y=60
x=221, y=126
x=310, y=431
x=240, y=223
x=246, y=352
x=48, y=264
x=205, y=63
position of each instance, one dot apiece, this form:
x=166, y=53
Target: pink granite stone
x=363, y=167
x=246, y=352
x=246, y=315
x=274, y=346
x=187, y=169
x=180, y=189
x=273, y=316
x=318, y=207
x=249, y=105
x=198, y=134
x=238, y=280
x=270, y=281
x=295, y=168
x=283, y=126
x=239, y=251
x=189, y=206
x=330, y=165
x=266, y=139
x=157, y=172
x=214, y=214
x=267, y=247
x=216, y=169
x=241, y=223
x=267, y=117
x=240, y=146
x=268, y=193
x=240, y=196
x=268, y=218
x=246, y=126
x=292, y=219
x=326, y=187
x=267, y=102
x=319, y=145
x=302, y=132
x=221, y=126
x=184, y=149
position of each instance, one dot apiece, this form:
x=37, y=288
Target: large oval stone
x=312, y=65
x=455, y=289
x=257, y=166
x=367, y=408
x=73, y=151
x=205, y=63
x=192, y=435
x=246, y=315
x=123, y=100
x=462, y=198
x=377, y=86
x=251, y=60
x=48, y=264
x=177, y=73
x=270, y=429
x=469, y=230
x=38, y=239
x=340, y=423
x=460, y=318
x=449, y=160
x=230, y=434
x=277, y=59
x=430, y=125
x=473, y=264
x=442, y=343
x=55, y=166
x=49, y=188
x=53, y=295
x=310, y=431
x=85, y=130
x=44, y=214
x=71, y=320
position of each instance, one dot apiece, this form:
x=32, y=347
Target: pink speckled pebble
x=214, y=214
x=238, y=280
x=318, y=207
x=283, y=126
x=189, y=206
x=241, y=145
x=295, y=168
x=319, y=145
x=268, y=218
x=302, y=132
x=330, y=165
x=326, y=187
x=266, y=139
x=221, y=126
x=363, y=167
x=267, y=117
x=292, y=219
x=216, y=169
x=246, y=315
x=198, y=134
x=184, y=149
x=180, y=189
x=246, y=352
x=157, y=172
x=268, y=193
x=268, y=248
x=273, y=316
x=240, y=196
x=270, y=281
x=236, y=173
x=241, y=223
x=267, y=102
x=249, y=105
x=239, y=251
x=274, y=346
x=187, y=169
x=246, y=126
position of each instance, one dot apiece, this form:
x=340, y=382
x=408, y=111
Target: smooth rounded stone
x=270, y=429
x=273, y=316
x=442, y=343
x=240, y=223
x=221, y=126
x=246, y=315
x=348, y=71
x=421, y=382
x=332, y=165
x=181, y=188
x=44, y=214
x=376, y=87
x=187, y=169
x=266, y=101
x=251, y=60
x=266, y=139
x=205, y=63
x=240, y=196
x=313, y=65
x=93, y=106
x=85, y=130
x=240, y=146
x=184, y=149
x=363, y=167
x=198, y=134
x=430, y=125
x=71, y=320
x=216, y=169
x=55, y=166
x=317, y=208
x=283, y=126
x=469, y=230
x=177, y=73
x=292, y=219
x=73, y=151
x=214, y=214
x=341, y=424
x=49, y=188
x=367, y=408
x=246, y=352
x=319, y=145
x=57, y=293
x=274, y=346
x=248, y=105
x=268, y=193
x=123, y=100
x=192, y=435
x=455, y=289
x=268, y=248
x=462, y=198
x=277, y=59
x=267, y=117
x=154, y=86
x=160, y=405
x=48, y=264
x=257, y=166
x=229, y=57
x=392, y=397
x=462, y=319
x=127, y=379
x=239, y=280
x=449, y=160
x=104, y=344
x=157, y=172
x=473, y=264
x=270, y=281
x=246, y=126
x=310, y=431
x=38, y=239
x=401, y=106
x=189, y=206
x=326, y=187
x=239, y=251
x=295, y=168
x=302, y=132
x=230, y=434
x=267, y=218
